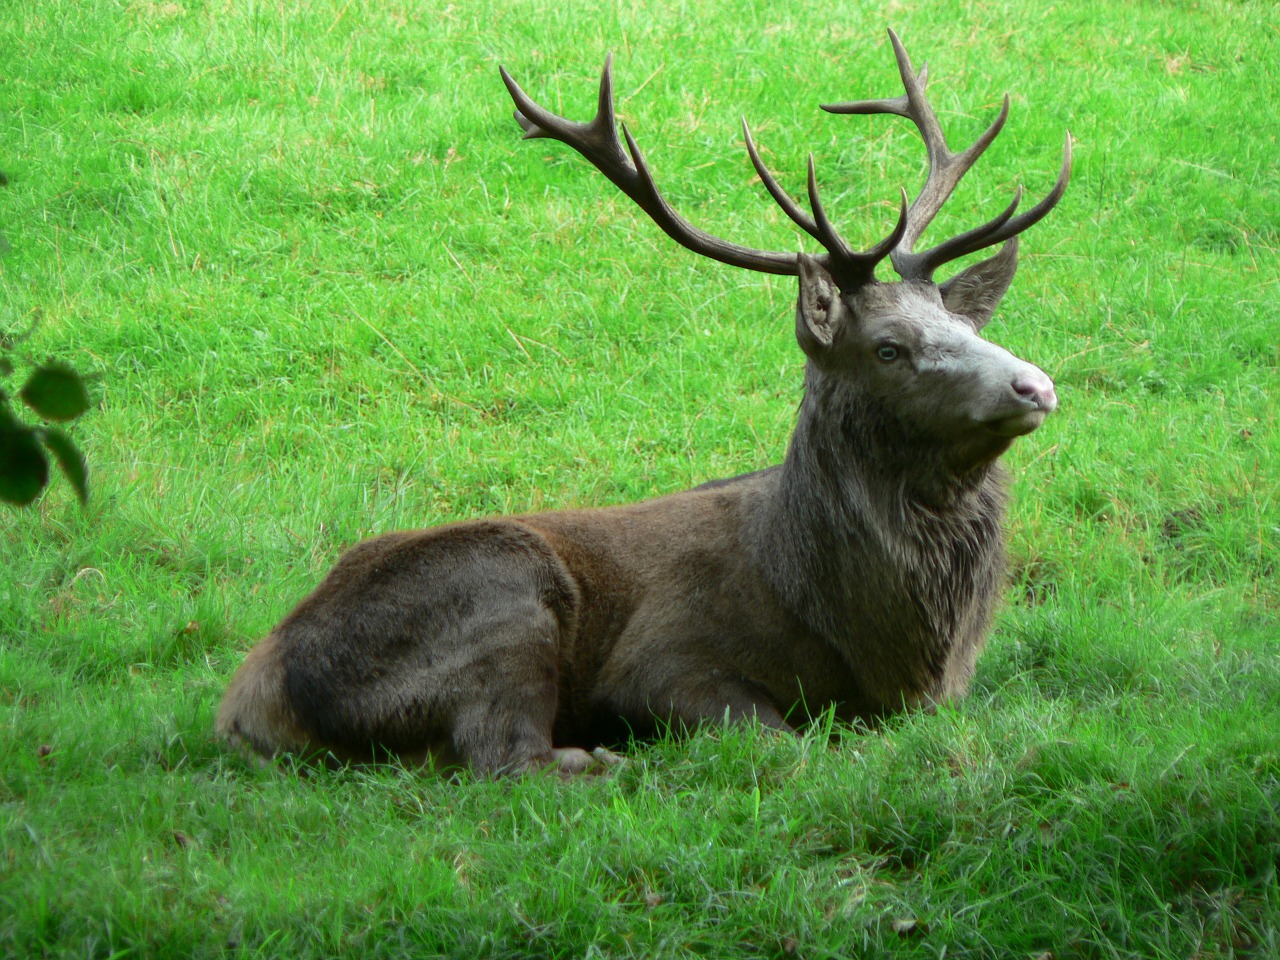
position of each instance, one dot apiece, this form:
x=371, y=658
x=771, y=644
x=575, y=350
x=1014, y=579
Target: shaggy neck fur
x=874, y=527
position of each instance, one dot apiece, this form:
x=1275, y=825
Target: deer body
x=593, y=624
x=859, y=574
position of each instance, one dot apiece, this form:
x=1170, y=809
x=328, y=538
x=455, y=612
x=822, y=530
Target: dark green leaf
x=6, y=366
x=70, y=459
x=56, y=392
x=24, y=471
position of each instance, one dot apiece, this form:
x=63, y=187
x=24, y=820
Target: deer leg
x=441, y=644
x=689, y=695
x=724, y=702
x=504, y=713
x=574, y=761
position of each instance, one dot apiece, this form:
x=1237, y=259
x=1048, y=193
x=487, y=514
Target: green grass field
x=325, y=291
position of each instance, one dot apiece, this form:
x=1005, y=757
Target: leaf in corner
x=56, y=392
x=71, y=460
x=24, y=471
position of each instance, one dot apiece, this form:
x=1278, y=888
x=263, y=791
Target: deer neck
x=865, y=527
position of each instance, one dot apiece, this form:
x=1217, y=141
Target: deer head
x=908, y=350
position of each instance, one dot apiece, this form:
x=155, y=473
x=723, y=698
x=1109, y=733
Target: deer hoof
x=607, y=758
x=574, y=761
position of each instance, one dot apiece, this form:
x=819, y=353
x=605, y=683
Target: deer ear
x=819, y=310
x=976, y=291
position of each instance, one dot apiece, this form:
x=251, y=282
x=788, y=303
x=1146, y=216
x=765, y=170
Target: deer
x=855, y=579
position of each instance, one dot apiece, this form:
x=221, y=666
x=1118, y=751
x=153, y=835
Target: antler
x=945, y=170
x=597, y=141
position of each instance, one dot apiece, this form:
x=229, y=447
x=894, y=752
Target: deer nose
x=1035, y=387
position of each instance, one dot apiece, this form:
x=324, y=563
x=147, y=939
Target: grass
x=327, y=292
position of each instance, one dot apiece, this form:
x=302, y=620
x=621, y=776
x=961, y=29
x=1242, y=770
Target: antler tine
x=848, y=266
x=945, y=172
x=921, y=266
x=537, y=122
x=1027, y=218
x=851, y=269
x=898, y=106
x=998, y=229
x=945, y=167
x=881, y=249
x=780, y=196
x=827, y=233
x=597, y=141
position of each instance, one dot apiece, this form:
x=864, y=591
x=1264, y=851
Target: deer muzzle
x=1034, y=399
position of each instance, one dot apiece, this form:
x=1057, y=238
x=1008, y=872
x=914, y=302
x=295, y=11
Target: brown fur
x=860, y=574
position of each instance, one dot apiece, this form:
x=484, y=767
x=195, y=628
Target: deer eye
x=887, y=352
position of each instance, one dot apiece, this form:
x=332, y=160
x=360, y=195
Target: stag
x=857, y=576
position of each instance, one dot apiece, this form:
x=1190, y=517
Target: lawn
x=324, y=290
